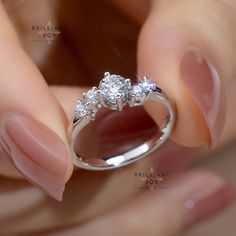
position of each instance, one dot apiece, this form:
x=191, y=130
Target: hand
x=35, y=120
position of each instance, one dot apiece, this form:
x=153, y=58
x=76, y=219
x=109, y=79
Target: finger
x=181, y=48
x=33, y=125
x=137, y=10
x=187, y=199
x=8, y=170
x=67, y=97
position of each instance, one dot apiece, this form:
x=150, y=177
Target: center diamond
x=113, y=89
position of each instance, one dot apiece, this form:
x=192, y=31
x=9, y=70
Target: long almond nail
x=204, y=83
x=36, y=151
x=207, y=202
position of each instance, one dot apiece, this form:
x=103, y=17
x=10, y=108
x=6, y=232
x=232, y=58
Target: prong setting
x=119, y=103
x=128, y=83
x=106, y=74
x=100, y=98
x=132, y=100
x=114, y=92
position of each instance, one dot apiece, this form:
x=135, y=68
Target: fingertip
x=166, y=57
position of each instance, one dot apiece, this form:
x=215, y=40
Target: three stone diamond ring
x=115, y=92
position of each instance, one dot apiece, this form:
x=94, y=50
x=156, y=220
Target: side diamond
x=148, y=85
x=80, y=109
x=136, y=95
x=136, y=90
x=85, y=109
x=91, y=96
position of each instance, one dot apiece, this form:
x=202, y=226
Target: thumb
x=180, y=47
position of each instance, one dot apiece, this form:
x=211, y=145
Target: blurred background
x=91, y=37
x=222, y=162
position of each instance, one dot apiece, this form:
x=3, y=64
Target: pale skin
x=207, y=25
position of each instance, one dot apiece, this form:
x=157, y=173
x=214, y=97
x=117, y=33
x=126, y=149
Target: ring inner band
x=111, y=162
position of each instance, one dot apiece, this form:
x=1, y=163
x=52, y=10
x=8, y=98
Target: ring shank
x=140, y=151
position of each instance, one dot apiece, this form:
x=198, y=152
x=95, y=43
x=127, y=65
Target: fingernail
x=36, y=151
x=203, y=81
x=207, y=202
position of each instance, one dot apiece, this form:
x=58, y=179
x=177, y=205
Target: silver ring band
x=114, y=92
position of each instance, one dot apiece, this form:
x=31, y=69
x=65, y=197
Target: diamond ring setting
x=115, y=92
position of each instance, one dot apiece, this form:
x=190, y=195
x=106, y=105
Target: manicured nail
x=36, y=151
x=204, y=83
x=207, y=202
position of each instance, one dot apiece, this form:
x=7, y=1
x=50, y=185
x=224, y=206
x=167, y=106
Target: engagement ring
x=115, y=92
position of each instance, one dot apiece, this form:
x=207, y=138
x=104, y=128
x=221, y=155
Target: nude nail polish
x=36, y=151
x=204, y=83
x=207, y=203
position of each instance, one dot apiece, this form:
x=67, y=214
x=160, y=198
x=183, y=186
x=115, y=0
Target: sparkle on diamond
x=113, y=87
x=81, y=109
x=148, y=85
x=136, y=90
x=91, y=96
x=84, y=108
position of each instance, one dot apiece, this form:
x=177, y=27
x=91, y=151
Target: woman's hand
x=188, y=47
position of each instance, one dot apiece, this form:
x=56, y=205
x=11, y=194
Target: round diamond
x=136, y=95
x=113, y=87
x=136, y=90
x=91, y=96
x=85, y=108
x=81, y=109
x=148, y=85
